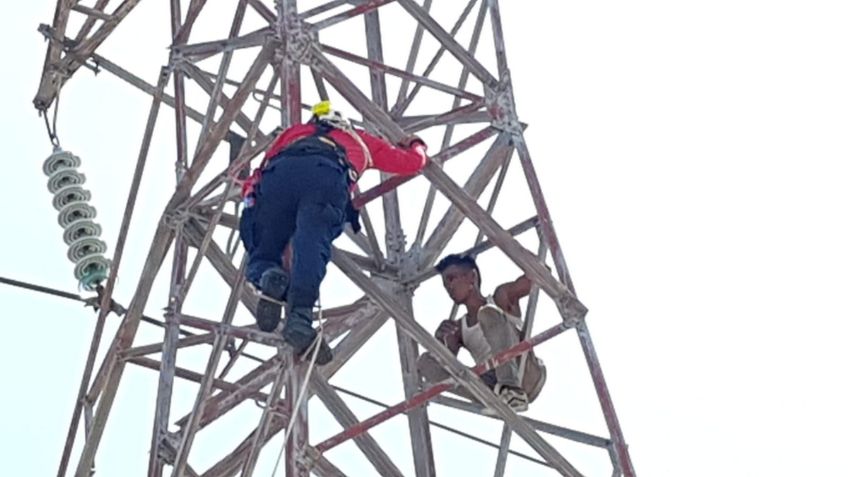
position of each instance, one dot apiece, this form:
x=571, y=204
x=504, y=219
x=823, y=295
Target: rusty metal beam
x=220, y=262
x=419, y=430
x=105, y=304
x=414, y=50
x=202, y=80
x=337, y=407
x=470, y=113
x=99, y=5
x=351, y=343
x=259, y=434
x=134, y=80
x=194, y=8
x=263, y=10
x=170, y=344
x=114, y=368
x=161, y=242
x=183, y=373
x=298, y=439
x=619, y=446
x=494, y=158
x=380, y=67
x=215, y=94
x=196, y=52
x=219, y=130
x=554, y=430
x=326, y=7
x=449, y=43
x=362, y=7
x=245, y=155
x=231, y=464
x=191, y=427
x=371, y=112
x=450, y=429
x=287, y=28
x=448, y=136
x=187, y=342
x=91, y=12
x=419, y=418
x=172, y=101
x=404, y=101
x=57, y=71
x=246, y=387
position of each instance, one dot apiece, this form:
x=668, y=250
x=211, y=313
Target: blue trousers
x=301, y=198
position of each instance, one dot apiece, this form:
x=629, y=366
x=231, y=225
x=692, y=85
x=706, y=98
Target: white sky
x=693, y=156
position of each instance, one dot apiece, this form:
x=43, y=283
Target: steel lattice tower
x=451, y=86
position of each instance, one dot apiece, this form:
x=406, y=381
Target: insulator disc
x=70, y=194
x=91, y=271
x=59, y=160
x=80, y=229
x=63, y=178
x=76, y=211
x=85, y=247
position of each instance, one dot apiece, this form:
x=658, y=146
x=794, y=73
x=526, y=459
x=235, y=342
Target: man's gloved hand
x=410, y=141
x=449, y=332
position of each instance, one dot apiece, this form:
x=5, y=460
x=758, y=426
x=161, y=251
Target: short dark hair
x=464, y=261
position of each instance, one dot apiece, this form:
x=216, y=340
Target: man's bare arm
x=450, y=334
x=509, y=295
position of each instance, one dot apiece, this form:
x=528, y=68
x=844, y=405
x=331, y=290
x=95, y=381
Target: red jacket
x=385, y=157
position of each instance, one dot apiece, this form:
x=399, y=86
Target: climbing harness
x=326, y=116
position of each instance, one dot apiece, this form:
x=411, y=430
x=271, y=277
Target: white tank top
x=473, y=338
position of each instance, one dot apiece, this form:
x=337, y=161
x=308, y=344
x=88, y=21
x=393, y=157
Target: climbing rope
x=316, y=345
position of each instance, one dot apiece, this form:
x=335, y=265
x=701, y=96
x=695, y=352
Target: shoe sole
x=268, y=309
x=268, y=314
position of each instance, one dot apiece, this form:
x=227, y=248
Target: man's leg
x=501, y=334
x=433, y=373
x=273, y=223
x=535, y=376
x=318, y=224
x=246, y=228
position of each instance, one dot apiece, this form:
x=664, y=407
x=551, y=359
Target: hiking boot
x=298, y=332
x=272, y=286
x=325, y=353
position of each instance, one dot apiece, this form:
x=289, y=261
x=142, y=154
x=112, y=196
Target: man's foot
x=515, y=398
x=325, y=353
x=298, y=332
x=272, y=286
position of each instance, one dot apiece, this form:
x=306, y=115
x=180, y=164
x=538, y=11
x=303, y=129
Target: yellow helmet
x=325, y=113
x=321, y=109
